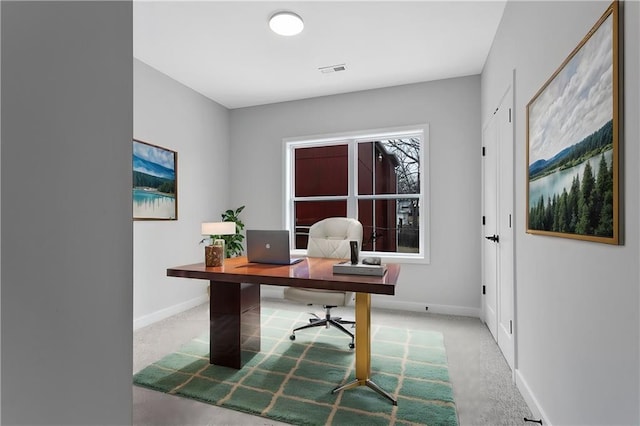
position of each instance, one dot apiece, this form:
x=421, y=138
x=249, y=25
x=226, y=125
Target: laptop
x=270, y=247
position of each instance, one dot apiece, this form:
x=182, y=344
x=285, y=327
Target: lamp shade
x=218, y=228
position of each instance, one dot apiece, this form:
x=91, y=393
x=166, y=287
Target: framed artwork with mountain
x=155, y=184
x=573, y=142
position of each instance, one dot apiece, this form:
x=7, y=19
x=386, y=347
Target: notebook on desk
x=271, y=247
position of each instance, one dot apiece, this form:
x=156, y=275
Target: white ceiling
x=225, y=50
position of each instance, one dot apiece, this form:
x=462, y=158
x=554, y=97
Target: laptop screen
x=269, y=246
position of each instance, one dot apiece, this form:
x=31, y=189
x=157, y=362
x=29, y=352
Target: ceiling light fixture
x=286, y=23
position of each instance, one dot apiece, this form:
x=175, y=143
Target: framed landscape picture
x=572, y=142
x=155, y=184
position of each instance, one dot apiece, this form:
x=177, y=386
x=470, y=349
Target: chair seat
x=317, y=297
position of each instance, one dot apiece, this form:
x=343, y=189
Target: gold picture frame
x=573, y=142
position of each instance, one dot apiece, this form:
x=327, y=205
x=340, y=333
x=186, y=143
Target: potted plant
x=233, y=243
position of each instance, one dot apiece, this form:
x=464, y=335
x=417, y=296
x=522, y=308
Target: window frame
x=352, y=139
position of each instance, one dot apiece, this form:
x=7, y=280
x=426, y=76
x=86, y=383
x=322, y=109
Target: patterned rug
x=291, y=381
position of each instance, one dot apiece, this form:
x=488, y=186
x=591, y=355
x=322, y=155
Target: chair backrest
x=331, y=237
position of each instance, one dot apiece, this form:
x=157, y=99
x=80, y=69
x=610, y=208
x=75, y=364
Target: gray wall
x=169, y=114
x=577, y=302
x=66, y=213
x=451, y=107
x=0, y=217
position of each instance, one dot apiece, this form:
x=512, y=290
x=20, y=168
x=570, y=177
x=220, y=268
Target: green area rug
x=291, y=381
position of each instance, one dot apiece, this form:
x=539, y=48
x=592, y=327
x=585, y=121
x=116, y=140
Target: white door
x=490, y=226
x=497, y=246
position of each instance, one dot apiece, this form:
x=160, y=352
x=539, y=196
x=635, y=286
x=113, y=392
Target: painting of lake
x=560, y=180
x=572, y=143
x=154, y=182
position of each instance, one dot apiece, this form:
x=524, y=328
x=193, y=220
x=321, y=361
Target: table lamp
x=214, y=253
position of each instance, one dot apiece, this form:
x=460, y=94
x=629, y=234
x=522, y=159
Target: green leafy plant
x=233, y=243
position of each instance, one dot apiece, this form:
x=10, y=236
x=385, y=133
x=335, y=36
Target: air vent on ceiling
x=333, y=68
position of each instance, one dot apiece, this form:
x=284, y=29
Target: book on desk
x=348, y=268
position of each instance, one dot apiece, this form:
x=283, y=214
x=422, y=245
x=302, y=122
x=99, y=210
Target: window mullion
x=352, y=202
x=321, y=198
x=388, y=196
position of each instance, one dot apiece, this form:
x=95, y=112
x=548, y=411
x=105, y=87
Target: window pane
x=389, y=166
x=390, y=225
x=321, y=171
x=310, y=212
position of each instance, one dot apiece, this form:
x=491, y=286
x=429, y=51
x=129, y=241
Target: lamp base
x=214, y=255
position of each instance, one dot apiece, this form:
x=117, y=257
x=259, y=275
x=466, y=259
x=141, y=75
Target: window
x=377, y=177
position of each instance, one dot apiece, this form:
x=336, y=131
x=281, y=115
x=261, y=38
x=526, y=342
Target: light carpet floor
x=483, y=389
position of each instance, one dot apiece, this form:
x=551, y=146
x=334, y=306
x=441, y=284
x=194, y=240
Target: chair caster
x=292, y=337
x=351, y=345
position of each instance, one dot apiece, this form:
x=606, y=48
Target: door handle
x=494, y=238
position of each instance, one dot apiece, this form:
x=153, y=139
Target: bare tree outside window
x=407, y=153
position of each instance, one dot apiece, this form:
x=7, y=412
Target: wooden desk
x=235, y=304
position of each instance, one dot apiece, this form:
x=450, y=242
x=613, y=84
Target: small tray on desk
x=347, y=268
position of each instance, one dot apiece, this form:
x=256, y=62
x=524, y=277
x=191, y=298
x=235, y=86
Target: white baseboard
x=386, y=302
x=530, y=399
x=168, y=312
x=275, y=292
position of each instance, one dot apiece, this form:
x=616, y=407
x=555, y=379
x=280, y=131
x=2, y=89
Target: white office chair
x=328, y=238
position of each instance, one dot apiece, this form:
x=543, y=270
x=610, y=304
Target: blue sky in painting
x=578, y=101
x=154, y=155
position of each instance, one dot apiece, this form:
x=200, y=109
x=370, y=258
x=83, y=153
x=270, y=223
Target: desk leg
x=363, y=349
x=234, y=314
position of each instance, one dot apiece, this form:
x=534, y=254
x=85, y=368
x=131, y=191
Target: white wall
x=66, y=213
x=0, y=222
x=577, y=302
x=451, y=107
x=168, y=114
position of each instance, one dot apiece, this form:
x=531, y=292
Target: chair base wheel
x=351, y=346
x=292, y=337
